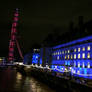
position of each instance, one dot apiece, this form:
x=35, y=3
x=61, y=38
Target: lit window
x=78, y=64
x=78, y=72
x=74, y=64
x=83, y=55
x=68, y=51
x=71, y=56
x=83, y=65
x=65, y=51
x=78, y=55
x=58, y=53
x=62, y=52
x=65, y=57
x=55, y=67
x=57, y=57
x=88, y=65
x=74, y=56
x=65, y=62
x=68, y=56
x=83, y=48
x=78, y=49
x=88, y=48
x=88, y=55
x=74, y=50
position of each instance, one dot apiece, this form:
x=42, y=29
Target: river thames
x=13, y=81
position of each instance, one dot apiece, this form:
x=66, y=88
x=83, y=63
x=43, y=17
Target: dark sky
x=40, y=17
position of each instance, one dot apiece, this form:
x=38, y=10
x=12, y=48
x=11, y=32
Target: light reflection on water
x=12, y=81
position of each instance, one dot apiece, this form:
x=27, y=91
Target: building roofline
x=73, y=42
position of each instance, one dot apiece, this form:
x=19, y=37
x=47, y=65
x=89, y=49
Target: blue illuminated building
x=74, y=56
x=33, y=57
x=36, y=56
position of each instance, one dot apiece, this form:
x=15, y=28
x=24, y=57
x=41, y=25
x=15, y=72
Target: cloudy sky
x=40, y=17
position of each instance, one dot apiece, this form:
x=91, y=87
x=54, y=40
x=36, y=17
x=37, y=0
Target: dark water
x=13, y=81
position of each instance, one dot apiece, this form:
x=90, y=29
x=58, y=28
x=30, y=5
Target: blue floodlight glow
x=74, y=57
x=76, y=54
x=68, y=62
x=40, y=61
x=65, y=62
x=58, y=69
x=73, y=42
x=35, y=58
x=83, y=72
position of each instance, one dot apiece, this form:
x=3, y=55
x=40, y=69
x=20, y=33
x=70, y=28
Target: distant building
x=28, y=58
x=2, y=60
x=36, y=56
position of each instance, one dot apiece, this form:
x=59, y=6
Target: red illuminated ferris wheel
x=13, y=41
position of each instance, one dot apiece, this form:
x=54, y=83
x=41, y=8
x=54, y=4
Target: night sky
x=38, y=18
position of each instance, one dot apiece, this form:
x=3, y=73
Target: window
x=74, y=50
x=83, y=55
x=88, y=65
x=88, y=48
x=83, y=65
x=54, y=54
x=88, y=55
x=78, y=72
x=83, y=49
x=55, y=67
x=78, y=55
x=62, y=52
x=65, y=62
x=71, y=56
x=68, y=56
x=74, y=64
x=78, y=64
x=74, y=56
x=57, y=57
x=68, y=51
x=65, y=51
x=78, y=49
x=65, y=57
x=58, y=53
